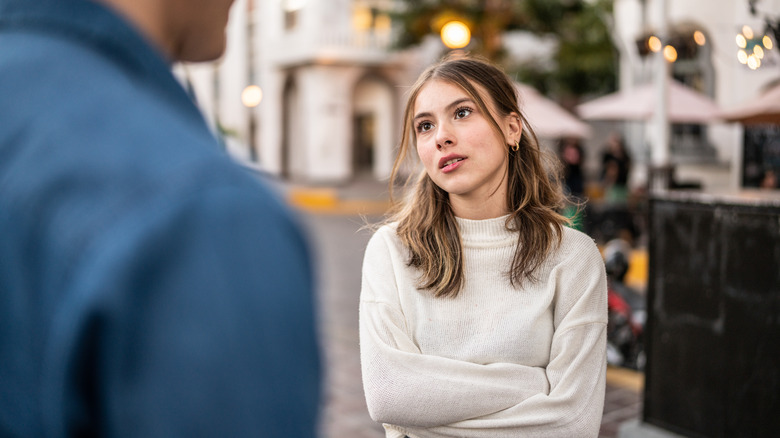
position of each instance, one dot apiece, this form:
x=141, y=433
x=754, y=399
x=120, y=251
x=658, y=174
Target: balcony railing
x=336, y=45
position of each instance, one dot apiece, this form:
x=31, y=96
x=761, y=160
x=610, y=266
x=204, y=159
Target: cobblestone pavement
x=338, y=243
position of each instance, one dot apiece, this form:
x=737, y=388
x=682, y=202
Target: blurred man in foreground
x=148, y=286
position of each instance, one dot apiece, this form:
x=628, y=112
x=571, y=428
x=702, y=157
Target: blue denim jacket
x=148, y=286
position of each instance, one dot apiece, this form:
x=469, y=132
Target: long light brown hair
x=425, y=221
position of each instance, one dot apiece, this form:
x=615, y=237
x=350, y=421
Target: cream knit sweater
x=496, y=361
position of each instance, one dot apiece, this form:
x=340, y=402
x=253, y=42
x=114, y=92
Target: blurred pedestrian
x=481, y=313
x=572, y=156
x=615, y=168
x=769, y=179
x=149, y=286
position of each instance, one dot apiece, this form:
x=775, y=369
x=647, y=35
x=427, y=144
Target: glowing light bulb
x=742, y=56
x=741, y=41
x=293, y=5
x=699, y=37
x=251, y=96
x=654, y=43
x=670, y=53
x=767, y=42
x=361, y=18
x=383, y=23
x=753, y=62
x=747, y=31
x=758, y=51
x=455, y=35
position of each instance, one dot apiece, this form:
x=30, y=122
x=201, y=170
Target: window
x=693, y=68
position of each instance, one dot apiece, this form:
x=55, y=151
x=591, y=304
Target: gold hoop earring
x=516, y=146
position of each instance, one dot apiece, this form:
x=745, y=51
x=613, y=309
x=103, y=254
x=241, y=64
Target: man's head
x=185, y=30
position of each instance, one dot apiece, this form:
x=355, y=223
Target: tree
x=583, y=63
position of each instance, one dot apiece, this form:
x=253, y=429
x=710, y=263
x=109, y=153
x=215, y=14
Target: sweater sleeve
x=406, y=388
x=577, y=368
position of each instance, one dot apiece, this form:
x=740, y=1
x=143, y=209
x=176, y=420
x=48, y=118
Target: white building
x=333, y=90
x=710, y=154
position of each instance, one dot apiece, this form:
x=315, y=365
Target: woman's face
x=459, y=148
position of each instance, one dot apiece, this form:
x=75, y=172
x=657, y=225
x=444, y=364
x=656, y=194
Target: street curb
x=328, y=201
x=626, y=378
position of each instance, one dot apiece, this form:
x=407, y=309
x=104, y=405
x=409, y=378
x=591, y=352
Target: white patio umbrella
x=547, y=118
x=764, y=109
x=685, y=105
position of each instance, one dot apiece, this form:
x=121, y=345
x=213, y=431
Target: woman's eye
x=424, y=126
x=462, y=112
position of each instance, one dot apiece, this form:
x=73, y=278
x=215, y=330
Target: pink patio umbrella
x=764, y=109
x=685, y=105
x=547, y=118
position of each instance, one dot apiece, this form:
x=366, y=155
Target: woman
x=481, y=314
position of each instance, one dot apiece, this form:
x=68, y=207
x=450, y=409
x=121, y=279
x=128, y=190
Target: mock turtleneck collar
x=485, y=231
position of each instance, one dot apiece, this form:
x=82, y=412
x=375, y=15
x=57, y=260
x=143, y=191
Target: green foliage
x=486, y=19
x=585, y=61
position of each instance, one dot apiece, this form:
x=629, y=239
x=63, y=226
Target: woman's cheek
x=426, y=154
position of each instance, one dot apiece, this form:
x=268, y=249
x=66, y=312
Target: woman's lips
x=451, y=164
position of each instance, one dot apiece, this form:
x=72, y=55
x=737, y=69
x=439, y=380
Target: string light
x=753, y=62
x=654, y=43
x=753, y=48
x=699, y=37
x=742, y=56
x=767, y=42
x=670, y=53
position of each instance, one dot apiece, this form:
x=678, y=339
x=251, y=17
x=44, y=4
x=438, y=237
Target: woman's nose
x=444, y=137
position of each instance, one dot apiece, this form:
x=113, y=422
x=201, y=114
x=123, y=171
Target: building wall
x=320, y=75
x=311, y=74
x=218, y=85
x=733, y=82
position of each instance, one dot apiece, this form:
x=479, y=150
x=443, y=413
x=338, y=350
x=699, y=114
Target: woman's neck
x=489, y=207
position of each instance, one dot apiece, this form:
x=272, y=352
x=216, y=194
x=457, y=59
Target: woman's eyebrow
x=450, y=106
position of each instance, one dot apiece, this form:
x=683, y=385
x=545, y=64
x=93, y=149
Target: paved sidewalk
x=623, y=400
x=335, y=224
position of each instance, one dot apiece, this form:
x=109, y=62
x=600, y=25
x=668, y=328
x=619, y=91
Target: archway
x=292, y=154
x=373, y=122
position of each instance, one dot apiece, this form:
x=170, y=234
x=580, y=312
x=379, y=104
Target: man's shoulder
x=64, y=80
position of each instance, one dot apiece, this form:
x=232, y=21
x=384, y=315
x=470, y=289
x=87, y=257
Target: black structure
x=713, y=327
x=761, y=154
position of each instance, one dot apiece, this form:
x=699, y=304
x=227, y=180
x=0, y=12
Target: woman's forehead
x=438, y=92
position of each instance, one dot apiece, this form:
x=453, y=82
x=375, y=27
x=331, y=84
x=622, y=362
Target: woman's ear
x=514, y=128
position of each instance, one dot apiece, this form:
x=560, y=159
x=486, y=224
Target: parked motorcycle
x=626, y=310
